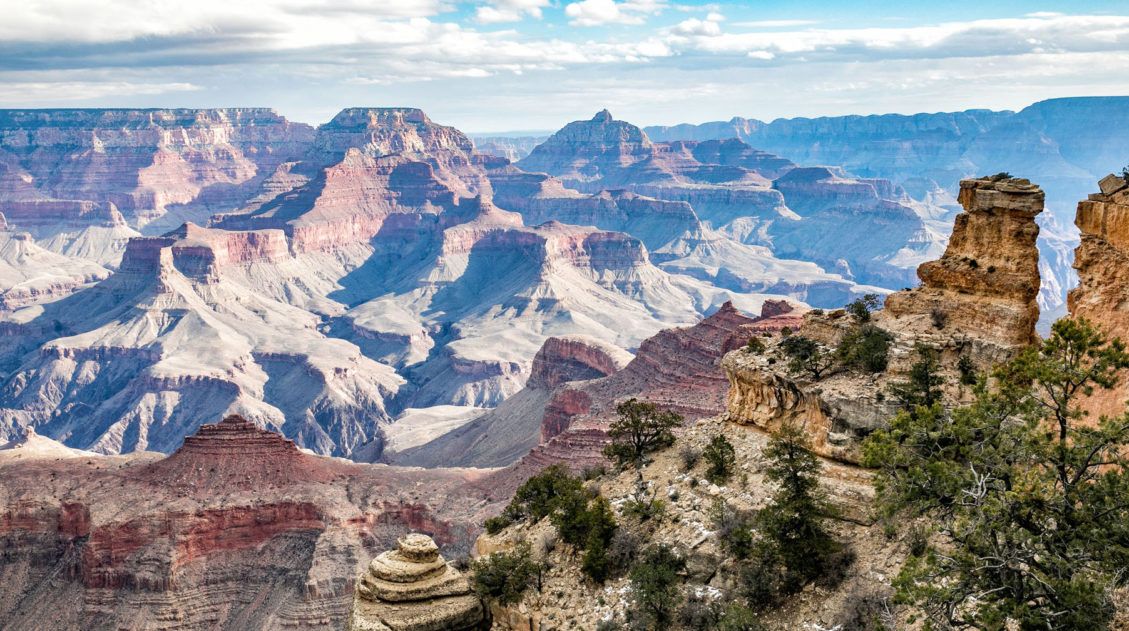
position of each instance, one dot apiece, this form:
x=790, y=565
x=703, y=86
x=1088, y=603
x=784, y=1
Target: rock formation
x=977, y=302
x=1102, y=261
x=677, y=369
x=144, y=162
x=238, y=529
x=412, y=588
x=985, y=286
x=860, y=228
x=519, y=418
x=264, y=459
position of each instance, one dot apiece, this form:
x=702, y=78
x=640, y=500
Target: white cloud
x=975, y=38
x=122, y=20
x=35, y=93
x=509, y=10
x=774, y=23
x=708, y=27
x=600, y=12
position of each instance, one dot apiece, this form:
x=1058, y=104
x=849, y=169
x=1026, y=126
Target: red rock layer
x=238, y=529
x=677, y=369
x=569, y=359
x=235, y=453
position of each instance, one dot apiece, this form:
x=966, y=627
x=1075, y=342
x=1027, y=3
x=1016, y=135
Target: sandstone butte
x=978, y=301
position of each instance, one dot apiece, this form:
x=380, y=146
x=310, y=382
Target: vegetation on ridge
x=1028, y=498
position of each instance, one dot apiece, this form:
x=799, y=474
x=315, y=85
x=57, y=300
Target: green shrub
x=765, y=580
x=541, y=494
x=656, y=586
x=594, y=472
x=496, y=524
x=806, y=356
x=640, y=429
x=755, y=345
x=793, y=523
x=734, y=529
x=939, y=318
x=739, y=618
x=967, y=371
x=622, y=551
x=721, y=458
x=699, y=613
x=923, y=388
x=689, y=455
x=866, y=609
x=644, y=508
x=861, y=308
x=601, y=526
x=866, y=348
x=505, y=576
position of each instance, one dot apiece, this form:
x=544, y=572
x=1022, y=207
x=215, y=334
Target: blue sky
x=496, y=65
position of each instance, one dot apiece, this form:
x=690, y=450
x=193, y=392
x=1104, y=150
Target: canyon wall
x=1102, y=261
x=237, y=529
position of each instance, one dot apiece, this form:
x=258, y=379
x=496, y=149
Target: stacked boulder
x=412, y=588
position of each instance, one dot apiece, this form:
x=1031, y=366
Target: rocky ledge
x=977, y=303
x=412, y=588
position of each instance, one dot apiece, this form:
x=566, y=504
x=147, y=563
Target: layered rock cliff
x=1102, y=261
x=237, y=529
x=145, y=162
x=978, y=303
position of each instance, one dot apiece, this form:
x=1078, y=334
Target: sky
x=528, y=65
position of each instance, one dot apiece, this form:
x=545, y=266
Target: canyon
x=243, y=356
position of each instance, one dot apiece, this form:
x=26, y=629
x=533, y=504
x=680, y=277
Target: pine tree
x=1029, y=498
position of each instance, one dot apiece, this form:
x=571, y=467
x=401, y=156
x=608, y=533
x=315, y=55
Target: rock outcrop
x=677, y=369
x=412, y=588
x=238, y=529
x=234, y=453
x=519, y=418
x=986, y=284
x=978, y=302
x=1102, y=261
